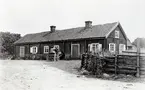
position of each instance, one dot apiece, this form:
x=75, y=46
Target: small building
x=130, y=46
x=73, y=42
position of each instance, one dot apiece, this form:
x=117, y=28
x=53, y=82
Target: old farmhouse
x=73, y=42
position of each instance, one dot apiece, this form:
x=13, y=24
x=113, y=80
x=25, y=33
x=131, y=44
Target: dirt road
x=42, y=75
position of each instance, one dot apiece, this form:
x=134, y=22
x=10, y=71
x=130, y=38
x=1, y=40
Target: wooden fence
x=126, y=63
x=140, y=61
x=121, y=64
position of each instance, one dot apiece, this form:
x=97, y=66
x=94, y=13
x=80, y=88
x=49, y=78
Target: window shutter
x=114, y=47
x=36, y=50
x=100, y=47
x=122, y=47
x=89, y=47
x=31, y=50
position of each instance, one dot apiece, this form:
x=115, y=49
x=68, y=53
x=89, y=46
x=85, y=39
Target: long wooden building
x=73, y=42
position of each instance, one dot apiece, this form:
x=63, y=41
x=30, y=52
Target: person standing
x=56, y=54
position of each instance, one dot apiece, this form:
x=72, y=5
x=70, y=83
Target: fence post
x=115, y=64
x=138, y=60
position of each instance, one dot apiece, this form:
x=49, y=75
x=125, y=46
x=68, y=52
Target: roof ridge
x=116, y=24
x=84, y=26
x=99, y=30
x=71, y=28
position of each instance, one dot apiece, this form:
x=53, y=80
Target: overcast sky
x=32, y=16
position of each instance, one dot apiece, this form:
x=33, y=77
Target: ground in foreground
x=61, y=75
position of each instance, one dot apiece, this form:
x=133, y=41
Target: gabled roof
x=69, y=34
x=129, y=43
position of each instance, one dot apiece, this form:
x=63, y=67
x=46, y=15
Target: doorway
x=75, y=51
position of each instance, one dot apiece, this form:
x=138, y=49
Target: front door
x=75, y=51
x=22, y=51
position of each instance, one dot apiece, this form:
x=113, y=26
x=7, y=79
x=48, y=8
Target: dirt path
x=41, y=75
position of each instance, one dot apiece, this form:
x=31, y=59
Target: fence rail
x=125, y=63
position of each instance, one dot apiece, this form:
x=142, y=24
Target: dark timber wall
x=121, y=40
x=65, y=46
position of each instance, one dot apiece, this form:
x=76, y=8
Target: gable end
x=120, y=29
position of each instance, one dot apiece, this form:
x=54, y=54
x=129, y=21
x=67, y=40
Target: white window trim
x=89, y=47
x=99, y=46
x=46, y=47
x=95, y=46
x=31, y=49
x=22, y=54
x=114, y=47
x=122, y=49
x=118, y=34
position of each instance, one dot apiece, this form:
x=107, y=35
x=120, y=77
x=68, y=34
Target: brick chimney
x=88, y=24
x=52, y=28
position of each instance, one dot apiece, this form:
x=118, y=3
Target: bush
x=5, y=56
x=6, y=44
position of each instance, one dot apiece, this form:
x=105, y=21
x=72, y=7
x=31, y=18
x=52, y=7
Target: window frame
x=45, y=49
x=117, y=33
x=32, y=50
x=114, y=45
x=97, y=46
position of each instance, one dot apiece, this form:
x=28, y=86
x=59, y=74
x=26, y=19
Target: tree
x=141, y=42
x=6, y=42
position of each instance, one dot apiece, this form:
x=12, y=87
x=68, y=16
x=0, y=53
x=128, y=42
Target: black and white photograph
x=72, y=44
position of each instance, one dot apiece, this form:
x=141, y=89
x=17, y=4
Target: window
x=34, y=50
x=22, y=51
x=122, y=47
x=52, y=50
x=95, y=47
x=116, y=34
x=112, y=47
x=46, y=49
x=56, y=46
